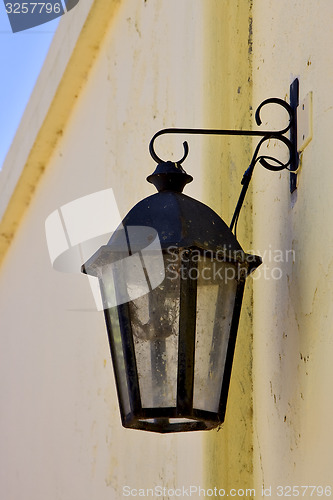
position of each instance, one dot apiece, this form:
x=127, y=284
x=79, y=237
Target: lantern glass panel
x=216, y=291
x=155, y=325
x=116, y=341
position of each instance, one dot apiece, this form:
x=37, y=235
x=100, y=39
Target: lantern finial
x=169, y=176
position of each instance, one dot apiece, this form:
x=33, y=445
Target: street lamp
x=172, y=278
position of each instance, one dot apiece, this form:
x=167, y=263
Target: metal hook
x=166, y=131
x=284, y=104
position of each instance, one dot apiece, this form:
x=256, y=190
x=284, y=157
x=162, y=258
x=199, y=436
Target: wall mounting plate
x=304, y=122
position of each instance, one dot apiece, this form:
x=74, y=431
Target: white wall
x=60, y=430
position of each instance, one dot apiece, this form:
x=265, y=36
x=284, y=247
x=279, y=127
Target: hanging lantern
x=172, y=279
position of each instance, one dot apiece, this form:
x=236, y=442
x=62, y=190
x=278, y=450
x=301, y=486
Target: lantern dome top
x=181, y=221
x=178, y=221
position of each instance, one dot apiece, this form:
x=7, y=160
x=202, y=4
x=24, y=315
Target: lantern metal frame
x=170, y=179
x=161, y=419
x=208, y=241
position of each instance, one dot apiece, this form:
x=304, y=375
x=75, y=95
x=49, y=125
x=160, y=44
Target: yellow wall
x=228, y=100
x=291, y=370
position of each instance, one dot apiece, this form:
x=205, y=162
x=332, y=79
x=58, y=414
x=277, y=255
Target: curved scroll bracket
x=267, y=134
x=269, y=162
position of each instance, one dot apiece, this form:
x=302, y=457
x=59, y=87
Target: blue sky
x=21, y=57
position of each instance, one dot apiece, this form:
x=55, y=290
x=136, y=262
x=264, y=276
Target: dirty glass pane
x=118, y=354
x=215, y=302
x=155, y=324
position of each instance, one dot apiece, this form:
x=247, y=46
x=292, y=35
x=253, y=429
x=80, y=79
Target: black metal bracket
x=269, y=162
x=294, y=102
